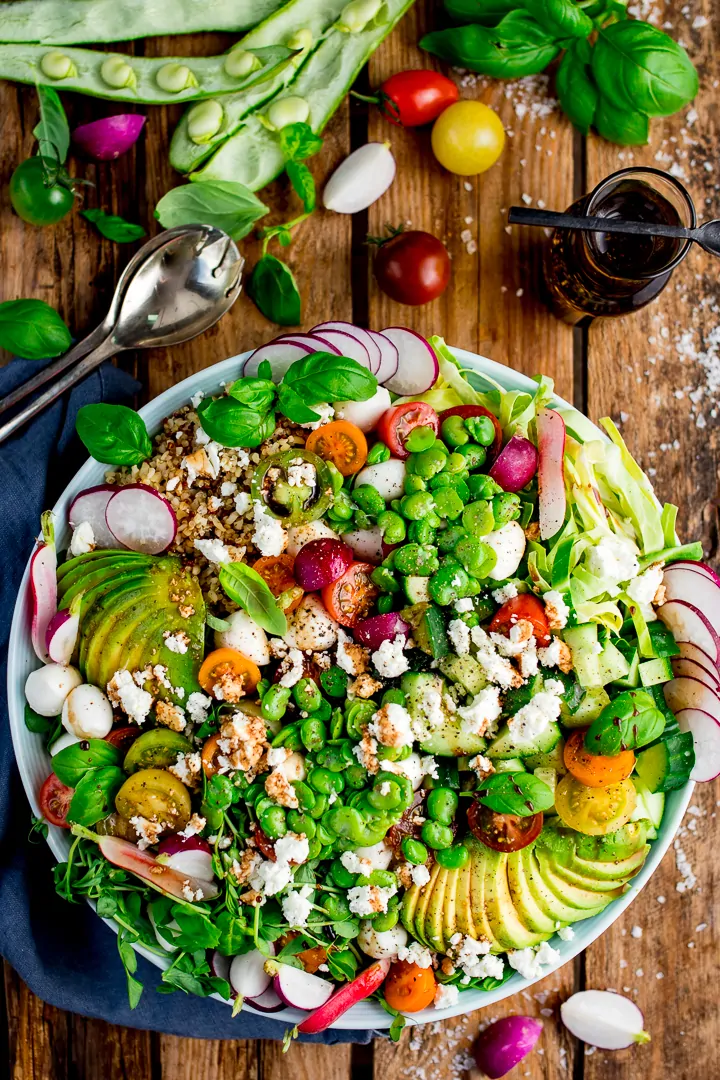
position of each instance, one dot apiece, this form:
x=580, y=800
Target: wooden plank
x=38, y=1034
x=207, y=1059
x=304, y=1061
x=643, y=370
x=113, y=1053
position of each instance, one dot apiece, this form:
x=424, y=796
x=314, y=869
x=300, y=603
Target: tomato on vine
x=41, y=193
x=414, y=98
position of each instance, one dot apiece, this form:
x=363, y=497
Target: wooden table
x=641, y=370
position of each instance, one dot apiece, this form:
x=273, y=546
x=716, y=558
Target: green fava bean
x=355, y=777
x=56, y=65
x=482, y=429
x=321, y=805
x=455, y=464
x=448, y=538
x=334, y=681
x=361, y=520
x=324, y=834
x=413, y=484
x=476, y=557
x=478, y=518
x=393, y=697
x=337, y=907
x=385, y=604
x=420, y=438
x=436, y=835
x=325, y=781
x=369, y=499
x=448, y=503
x=306, y=797
x=342, y=507
x=307, y=695
x=174, y=78
x=346, y=822
x=341, y=876
x=386, y=920
x=377, y=453
x=392, y=527
x=453, y=858
x=448, y=584
x=385, y=579
x=417, y=506
x=482, y=486
x=385, y=796
x=289, y=737
x=421, y=532
x=273, y=822
x=442, y=804
x=415, y=852
x=315, y=848
x=474, y=455
x=416, y=559
x=301, y=823
x=313, y=734
x=429, y=463
x=275, y=702
x=454, y=432
x=505, y=507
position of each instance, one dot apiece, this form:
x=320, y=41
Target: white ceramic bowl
x=34, y=762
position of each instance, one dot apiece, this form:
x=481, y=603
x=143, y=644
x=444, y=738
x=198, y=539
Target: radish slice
x=365, y=337
x=248, y=977
x=280, y=354
x=301, y=990
x=691, y=669
x=366, y=543
x=268, y=1002
x=418, y=367
x=347, y=345
x=219, y=965
x=389, y=357
x=191, y=856
x=690, y=693
x=141, y=519
x=691, y=652
x=699, y=568
x=43, y=588
x=604, y=1019
x=706, y=740
x=62, y=632
x=696, y=588
x=687, y=623
x=551, y=476
x=316, y=342
x=163, y=878
x=90, y=506
x=343, y=999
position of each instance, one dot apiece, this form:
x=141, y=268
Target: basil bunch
x=616, y=72
x=92, y=768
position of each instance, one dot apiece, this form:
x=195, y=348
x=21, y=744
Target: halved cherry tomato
x=503, y=832
x=123, y=737
x=409, y=987
x=466, y=411
x=277, y=573
x=224, y=662
x=527, y=607
x=210, y=753
x=594, y=811
x=395, y=425
x=264, y=844
x=413, y=98
x=594, y=770
x=341, y=443
x=351, y=597
x=55, y=799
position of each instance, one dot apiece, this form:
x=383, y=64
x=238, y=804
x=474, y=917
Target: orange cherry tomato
x=594, y=770
x=342, y=443
x=277, y=573
x=351, y=597
x=528, y=607
x=224, y=662
x=210, y=753
x=409, y=987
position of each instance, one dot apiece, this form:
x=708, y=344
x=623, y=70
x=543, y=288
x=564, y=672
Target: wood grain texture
x=207, y=1059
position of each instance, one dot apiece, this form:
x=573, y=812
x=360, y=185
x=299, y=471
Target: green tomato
x=36, y=201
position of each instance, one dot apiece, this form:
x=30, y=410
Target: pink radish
x=365, y=337
x=268, y=1002
x=141, y=519
x=691, y=693
x=696, y=588
x=691, y=669
x=347, y=345
x=698, y=567
x=504, y=1043
x=219, y=964
x=43, y=587
x=163, y=878
x=516, y=464
x=389, y=357
x=62, y=632
x=248, y=977
x=366, y=543
x=299, y=989
x=316, y=342
x=687, y=623
x=552, y=502
x=605, y=1019
x=90, y=506
x=706, y=738
x=691, y=652
x=280, y=354
x=418, y=367
x=343, y=999
x=191, y=856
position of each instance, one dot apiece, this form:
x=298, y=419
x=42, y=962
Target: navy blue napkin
x=64, y=952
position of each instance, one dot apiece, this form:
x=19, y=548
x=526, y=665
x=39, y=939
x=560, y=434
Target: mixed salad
x=404, y=713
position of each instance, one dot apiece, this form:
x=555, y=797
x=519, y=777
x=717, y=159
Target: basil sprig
x=245, y=586
x=113, y=227
x=113, y=434
x=233, y=424
x=32, y=330
x=71, y=764
x=226, y=204
x=323, y=377
x=630, y=721
x=616, y=71
x=519, y=793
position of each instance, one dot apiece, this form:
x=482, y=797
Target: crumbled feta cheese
x=296, y=906
x=350, y=657
x=613, y=559
x=187, y=768
x=642, y=588
x=390, y=660
x=294, y=674
x=550, y=657
x=430, y=707
x=198, y=706
x=242, y=502
x=420, y=875
x=127, y=695
x=415, y=953
x=170, y=716
x=391, y=726
x=366, y=753
x=228, y=488
x=172, y=483
x=354, y=864
x=195, y=825
x=83, y=539
x=496, y=668
x=481, y=765
x=148, y=832
x=566, y=933
x=301, y=473
x=528, y=660
x=507, y=592
x=429, y=766
x=459, y=634
x=556, y=609
x=214, y=551
x=370, y=899
x=446, y=997
x=325, y=412
x=292, y=848
x=189, y=894
x=474, y=959
x=532, y=719
x=197, y=398
x=177, y=643
x=269, y=537
x=480, y=716
x=270, y=878
x=464, y=604
x=529, y=962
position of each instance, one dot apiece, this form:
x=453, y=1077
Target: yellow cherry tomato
x=594, y=811
x=468, y=137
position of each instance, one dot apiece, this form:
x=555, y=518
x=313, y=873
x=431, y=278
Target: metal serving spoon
x=175, y=287
x=707, y=235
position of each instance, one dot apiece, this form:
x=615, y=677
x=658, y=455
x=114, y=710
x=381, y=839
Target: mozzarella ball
x=246, y=637
x=380, y=855
x=62, y=742
x=508, y=544
x=381, y=944
x=311, y=627
x=47, y=688
x=300, y=535
x=411, y=767
x=364, y=414
x=87, y=712
x=387, y=477
x=293, y=767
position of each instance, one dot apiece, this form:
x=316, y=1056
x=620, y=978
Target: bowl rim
x=366, y=1015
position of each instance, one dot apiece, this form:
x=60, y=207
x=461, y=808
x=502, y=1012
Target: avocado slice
x=506, y=924
x=434, y=912
x=609, y=871
x=483, y=928
x=84, y=576
x=97, y=601
x=464, y=922
x=105, y=651
x=589, y=884
x=423, y=902
x=86, y=561
x=95, y=629
x=553, y=906
x=525, y=903
x=450, y=907
x=583, y=899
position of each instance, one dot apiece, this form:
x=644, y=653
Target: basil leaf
x=303, y=184
x=216, y=624
x=52, y=129
x=225, y=204
x=113, y=227
x=515, y=793
x=517, y=46
x=265, y=370
x=638, y=68
x=575, y=86
x=71, y=764
x=32, y=330
x=245, y=587
x=561, y=18
x=292, y=405
x=630, y=721
x=232, y=424
x=485, y=12
x=113, y=434
x=322, y=377
x=273, y=289
x=94, y=796
x=258, y=394
x=299, y=141
x=621, y=126
x=36, y=723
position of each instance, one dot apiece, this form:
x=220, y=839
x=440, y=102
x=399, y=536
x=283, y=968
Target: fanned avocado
x=130, y=604
x=519, y=899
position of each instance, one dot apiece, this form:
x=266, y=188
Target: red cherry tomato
x=352, y=596
x=466, y=411
x=412, y=98
x=503, y=832
x=395, y=425
x=528, y=607
x=55, y=799
x=264, y=844
x=123, y=737
x=412, y=267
